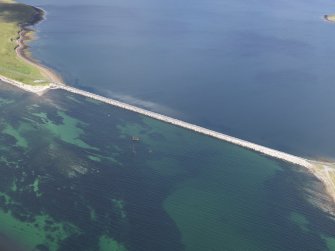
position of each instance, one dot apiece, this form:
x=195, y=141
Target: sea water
x=260, y=70
x=76, y=174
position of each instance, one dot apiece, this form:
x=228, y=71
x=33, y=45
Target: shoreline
x=21, y=52
x=320, y=170
x=22, y=47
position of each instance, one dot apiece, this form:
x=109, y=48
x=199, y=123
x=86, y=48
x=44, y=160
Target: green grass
x=11, y=66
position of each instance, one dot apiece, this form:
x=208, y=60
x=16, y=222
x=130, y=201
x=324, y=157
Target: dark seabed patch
x=80, y=175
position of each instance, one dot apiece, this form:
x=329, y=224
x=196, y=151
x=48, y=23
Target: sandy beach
x=21, y=50
x=22, y=53
x=325, y=172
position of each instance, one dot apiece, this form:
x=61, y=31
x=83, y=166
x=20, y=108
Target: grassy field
x=11, y=16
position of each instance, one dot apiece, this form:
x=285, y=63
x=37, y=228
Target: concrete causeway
x=258, y=148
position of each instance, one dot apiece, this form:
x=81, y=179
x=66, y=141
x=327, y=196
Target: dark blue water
x=71, y=179
x=261, y=70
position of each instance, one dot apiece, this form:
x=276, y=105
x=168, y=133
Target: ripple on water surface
x=73, y=178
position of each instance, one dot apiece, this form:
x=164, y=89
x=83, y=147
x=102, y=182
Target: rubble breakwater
x=255, y=147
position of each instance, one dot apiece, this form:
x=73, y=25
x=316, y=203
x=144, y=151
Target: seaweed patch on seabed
x=77, y=175
x=36, y=152
x=61, y=178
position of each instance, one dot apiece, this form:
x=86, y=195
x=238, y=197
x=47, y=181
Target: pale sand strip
x=48, y=73
x=20, y=52
x=38, y=89
x=322, y=173
x=320, y=170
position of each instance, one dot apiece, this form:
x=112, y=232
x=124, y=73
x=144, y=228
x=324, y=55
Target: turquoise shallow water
x=72, y=178
x=261, y=70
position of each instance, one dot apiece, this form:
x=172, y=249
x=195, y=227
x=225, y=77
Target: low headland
x=18, y=68
x=329, y=18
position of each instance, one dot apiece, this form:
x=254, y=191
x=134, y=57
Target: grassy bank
x=14, y=17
